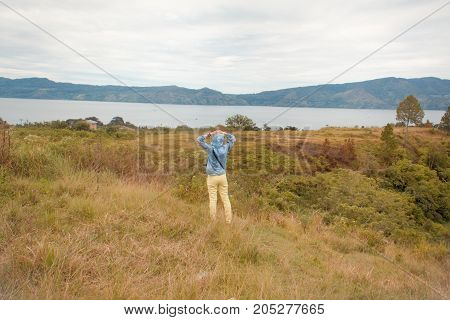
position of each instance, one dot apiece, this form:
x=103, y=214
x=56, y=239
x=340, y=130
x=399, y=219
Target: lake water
x=20, y=110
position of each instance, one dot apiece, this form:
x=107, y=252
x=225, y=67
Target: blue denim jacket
x=217, y=152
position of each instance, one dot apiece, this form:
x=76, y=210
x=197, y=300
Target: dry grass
x=75, y=239
x=90, y=234
x=5, y=144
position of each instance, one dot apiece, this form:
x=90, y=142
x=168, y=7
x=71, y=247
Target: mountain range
x=385, y=93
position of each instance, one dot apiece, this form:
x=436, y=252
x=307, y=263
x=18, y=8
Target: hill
x=433, y=93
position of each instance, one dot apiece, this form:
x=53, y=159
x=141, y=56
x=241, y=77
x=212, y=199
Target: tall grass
x=5, y=144
x=78, y=221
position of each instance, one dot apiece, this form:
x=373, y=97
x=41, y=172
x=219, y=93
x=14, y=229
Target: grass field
x=317, y=215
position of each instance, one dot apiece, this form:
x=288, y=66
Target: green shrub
x=436, y=158
x=351, y=198
x=33, y=161
x=184, y=128
x=191, y=187
x=430, y=194
x=81, y=125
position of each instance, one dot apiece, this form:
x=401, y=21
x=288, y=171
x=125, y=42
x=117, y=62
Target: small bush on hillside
x=354, y=199
x=191, y=187
x=348, y=152
x=112, y=130
x=436, y=158
x=160, y=129
x=58, y=124
x=430, y=194
x=32, y=161
x=81, y=125
x=184, y=128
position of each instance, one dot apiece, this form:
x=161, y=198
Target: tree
x=99, y=123
x=445, y=121
x=81, y=125
x=409, y=111
x=388, y=150
x=240, y=121
x=117, y=121
x=388, y=137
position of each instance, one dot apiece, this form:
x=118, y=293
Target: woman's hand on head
x=211, y=133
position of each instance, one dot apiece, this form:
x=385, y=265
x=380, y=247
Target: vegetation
x=107, y=214
x=81, y=125
x=240, y=122
x=445, y=121
x=389, y=148
x=409, y=112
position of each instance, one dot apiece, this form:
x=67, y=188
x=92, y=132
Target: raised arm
x=201, y=140
x=231, y=139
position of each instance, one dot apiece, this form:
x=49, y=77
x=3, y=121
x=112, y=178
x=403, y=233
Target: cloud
x=231, y=46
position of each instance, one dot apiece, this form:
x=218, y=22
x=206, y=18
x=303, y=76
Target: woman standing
x=216, y=169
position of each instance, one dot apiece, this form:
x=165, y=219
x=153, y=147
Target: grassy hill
x=384, y=93
x=318, y=215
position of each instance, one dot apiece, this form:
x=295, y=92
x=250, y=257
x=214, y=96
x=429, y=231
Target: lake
x=32, y=110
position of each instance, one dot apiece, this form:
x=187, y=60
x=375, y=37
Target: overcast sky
x=233, y=46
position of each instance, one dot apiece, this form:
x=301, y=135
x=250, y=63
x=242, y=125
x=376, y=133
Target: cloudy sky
x=231, y=46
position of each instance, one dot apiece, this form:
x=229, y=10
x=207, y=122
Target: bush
x=430, y=194
x=57, y=124
x=112, y=130
x=436, y=158
x=191, y=188
x=351, y=198
x=31, y=160
x=184, y=128
x=81, y=125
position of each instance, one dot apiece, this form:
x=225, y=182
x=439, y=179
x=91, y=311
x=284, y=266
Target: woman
x=216, y=169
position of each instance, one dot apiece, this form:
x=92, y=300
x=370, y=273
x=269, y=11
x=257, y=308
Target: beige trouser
x=219, y=183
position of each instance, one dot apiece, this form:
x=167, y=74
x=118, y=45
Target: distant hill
x=433, y=93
